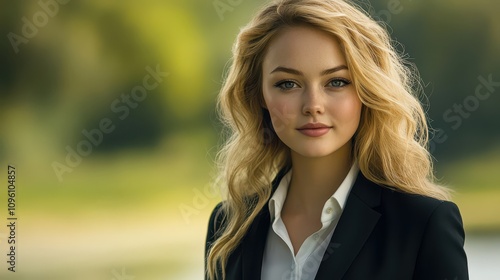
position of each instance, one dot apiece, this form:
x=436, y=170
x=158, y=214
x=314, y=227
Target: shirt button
x=329, y=210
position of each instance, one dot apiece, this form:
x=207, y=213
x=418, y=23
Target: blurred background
x=107, y=112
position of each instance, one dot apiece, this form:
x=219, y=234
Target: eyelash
x=281, y=83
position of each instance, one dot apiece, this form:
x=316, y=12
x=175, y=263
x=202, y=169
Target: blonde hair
x=390, y=144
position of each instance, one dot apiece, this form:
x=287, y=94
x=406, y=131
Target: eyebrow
x=297, y=72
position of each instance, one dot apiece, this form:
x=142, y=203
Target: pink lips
x=314, y=129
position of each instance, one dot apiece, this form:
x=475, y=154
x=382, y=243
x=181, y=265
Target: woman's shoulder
x=396, y=202
x=417, y=207
x=435, y=226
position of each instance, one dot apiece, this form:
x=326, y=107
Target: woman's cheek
x=348, y=109
x=282, y=115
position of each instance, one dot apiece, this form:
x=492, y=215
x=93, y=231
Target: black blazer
x=382, y=234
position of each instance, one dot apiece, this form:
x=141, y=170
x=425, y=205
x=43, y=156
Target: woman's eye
x=339, y=83
x=286, y=85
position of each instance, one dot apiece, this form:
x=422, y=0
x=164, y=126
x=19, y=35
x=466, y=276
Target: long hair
x=390, y=144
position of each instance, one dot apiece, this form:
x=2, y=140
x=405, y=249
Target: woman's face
x=307, y=89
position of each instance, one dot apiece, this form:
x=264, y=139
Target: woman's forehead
x=305, y=48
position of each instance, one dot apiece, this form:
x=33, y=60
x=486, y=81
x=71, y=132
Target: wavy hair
x=390, y=144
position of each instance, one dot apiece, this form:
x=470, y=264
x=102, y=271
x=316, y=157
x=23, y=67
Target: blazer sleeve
x=441, y=254
x=214, y=226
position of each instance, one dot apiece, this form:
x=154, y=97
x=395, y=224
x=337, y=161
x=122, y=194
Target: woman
x=326, y=170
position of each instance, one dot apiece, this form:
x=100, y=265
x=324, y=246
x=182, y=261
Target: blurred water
x=483, y=253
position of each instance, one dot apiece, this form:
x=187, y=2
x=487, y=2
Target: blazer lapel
x=355, y=225
x=254, y=244
x=255, y=240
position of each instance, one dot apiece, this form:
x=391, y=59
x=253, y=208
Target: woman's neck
x=314, y=180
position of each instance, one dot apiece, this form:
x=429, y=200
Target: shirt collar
x=278, y=199
x=345, y=187
x=340, y=196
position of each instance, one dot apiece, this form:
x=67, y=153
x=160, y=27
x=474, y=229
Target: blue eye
x=286, y=85
x=338, y=83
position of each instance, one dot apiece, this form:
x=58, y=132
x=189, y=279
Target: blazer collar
x=254, y=244
x=355, y=226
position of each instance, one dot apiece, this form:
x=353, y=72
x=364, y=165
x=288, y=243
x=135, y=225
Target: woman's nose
x=313, y=102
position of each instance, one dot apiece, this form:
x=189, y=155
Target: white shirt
x=279, y=261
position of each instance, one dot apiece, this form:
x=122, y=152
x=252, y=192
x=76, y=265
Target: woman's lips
x=314, y=129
